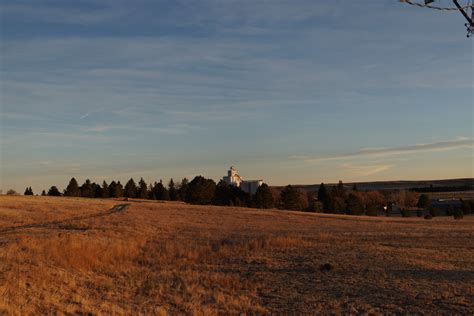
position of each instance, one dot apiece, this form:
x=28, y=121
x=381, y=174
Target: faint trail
x=116, y=209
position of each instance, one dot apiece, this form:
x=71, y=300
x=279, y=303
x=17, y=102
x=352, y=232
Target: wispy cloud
x=461, y=142
x=365, y=170
x=85, y=115
x=64, y=14
x=177, y=129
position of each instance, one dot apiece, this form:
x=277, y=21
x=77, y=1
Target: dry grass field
x=171, y=258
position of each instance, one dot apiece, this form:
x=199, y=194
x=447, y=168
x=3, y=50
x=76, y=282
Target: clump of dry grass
x=78, y=252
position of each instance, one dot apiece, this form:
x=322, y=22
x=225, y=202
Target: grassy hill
x=400, y=185
x=80, y=256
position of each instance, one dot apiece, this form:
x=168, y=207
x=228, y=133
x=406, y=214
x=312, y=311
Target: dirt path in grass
x=54, y=224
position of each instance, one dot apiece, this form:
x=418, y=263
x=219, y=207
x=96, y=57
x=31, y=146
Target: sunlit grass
x=172, y=258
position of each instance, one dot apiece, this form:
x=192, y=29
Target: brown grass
x=20, y=210
x=166, y=258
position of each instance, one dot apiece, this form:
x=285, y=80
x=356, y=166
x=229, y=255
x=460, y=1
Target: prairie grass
x=20, y=210
x=172, y=258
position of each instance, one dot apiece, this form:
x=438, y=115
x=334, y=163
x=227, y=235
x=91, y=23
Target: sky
x=296, y=91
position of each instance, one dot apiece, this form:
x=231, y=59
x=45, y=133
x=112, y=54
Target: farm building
x=233, y=178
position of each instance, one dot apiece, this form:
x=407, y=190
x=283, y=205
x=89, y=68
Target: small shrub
x=419, y=213
x=458, y=214
x=325, y=267
x=428, y=216
x=433, y=212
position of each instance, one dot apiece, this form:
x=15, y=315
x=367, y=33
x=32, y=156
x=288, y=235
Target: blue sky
x=288, y=91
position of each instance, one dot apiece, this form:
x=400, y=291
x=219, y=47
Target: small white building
x=233, y=178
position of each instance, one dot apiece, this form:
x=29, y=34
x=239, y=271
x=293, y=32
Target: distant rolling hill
x=465, y=184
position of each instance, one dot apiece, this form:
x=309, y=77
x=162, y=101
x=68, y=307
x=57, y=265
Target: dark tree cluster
x=292, y=199
x=54, y=191
x=200, y=191
x=203, y=191
x=339, y=199
x=115, y=189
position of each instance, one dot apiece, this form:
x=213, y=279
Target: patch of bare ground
x=167, y=258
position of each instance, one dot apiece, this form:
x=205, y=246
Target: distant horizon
x=178, y=180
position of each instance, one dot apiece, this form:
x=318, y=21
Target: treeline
x=341, y=200
x=336, y=199
x=198, y=191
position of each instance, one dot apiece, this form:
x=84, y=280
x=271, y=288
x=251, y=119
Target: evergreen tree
x=239, y=197
x=72, y=188
x=336, y=200
x=151, y=192
x=87, y=190
x=323, y=197
x=115, y=190
x=28, y=191
x=173, y=192
x=200, y=191
x=53, y=191
x=223, y=194
x=291, y=199
x=355, y=204
x=263, y=197
x=322, y=193
x=112, y=189
x=130, y=190
x=105, y=189
x=183, y=189
x=43, y=193
x=119, y=190
x=160, y=191
x=97, y=189
x=142, y=189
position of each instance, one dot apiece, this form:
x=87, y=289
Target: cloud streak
x=393, y=151
x=85, y=115
x=176, y=129
x=65, y=14
x=366, y=170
